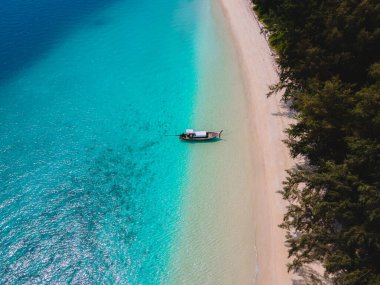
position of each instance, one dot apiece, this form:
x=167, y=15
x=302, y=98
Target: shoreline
x=216, y=241
x=271, y=157
x=229, y=230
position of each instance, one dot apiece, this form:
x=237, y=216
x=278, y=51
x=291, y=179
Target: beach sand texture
x=218, y=234
x=230, y=231
x=271, y=155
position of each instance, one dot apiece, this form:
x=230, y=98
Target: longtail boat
x=192, y=135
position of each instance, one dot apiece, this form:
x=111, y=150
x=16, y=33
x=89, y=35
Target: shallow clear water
x=89, y=187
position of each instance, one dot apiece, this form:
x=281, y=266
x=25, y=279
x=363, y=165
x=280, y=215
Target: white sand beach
x=271, y=155
x=231, y=207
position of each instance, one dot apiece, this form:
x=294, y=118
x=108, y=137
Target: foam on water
x=89, y=187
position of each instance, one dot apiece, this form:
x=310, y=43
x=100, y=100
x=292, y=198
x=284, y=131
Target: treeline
x=328, y=54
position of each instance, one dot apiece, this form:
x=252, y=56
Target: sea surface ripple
x=90, y=189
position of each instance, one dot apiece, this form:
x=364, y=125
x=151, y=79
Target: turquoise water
x=89, y=188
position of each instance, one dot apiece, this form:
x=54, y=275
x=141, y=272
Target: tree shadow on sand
x=286, y=110
x=309, y=276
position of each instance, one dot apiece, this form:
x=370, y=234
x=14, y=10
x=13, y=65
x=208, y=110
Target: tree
x=330, y=70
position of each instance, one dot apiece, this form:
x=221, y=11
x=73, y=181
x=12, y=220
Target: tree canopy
x=328, y=54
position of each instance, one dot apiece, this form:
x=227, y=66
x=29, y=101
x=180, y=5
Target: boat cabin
x=196, y=134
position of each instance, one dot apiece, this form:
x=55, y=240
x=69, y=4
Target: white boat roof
x=198, y=134
x=201, y=134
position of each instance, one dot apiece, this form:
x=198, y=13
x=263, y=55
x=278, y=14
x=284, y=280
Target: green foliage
x=330, y=71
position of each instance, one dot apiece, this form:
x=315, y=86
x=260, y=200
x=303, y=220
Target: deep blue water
x=89, y=188
x=30, y=28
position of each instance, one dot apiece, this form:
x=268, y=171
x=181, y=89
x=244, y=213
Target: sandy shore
x=271, y=155
x=231, y=210
x=216, y=244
